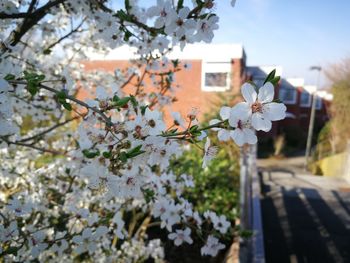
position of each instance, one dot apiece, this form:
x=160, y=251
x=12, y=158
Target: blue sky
x=294, y=34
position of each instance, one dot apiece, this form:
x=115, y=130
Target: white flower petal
x=260, y=123
x=101, y=230
x=242, y=111
x=172, y=236
x=266, y=93
x=225, y=112
x=187, y=231
x=274, y=111
x=223, y=135
x=250, y=136
x=86, y=233
x=188, y=240
x=249, y=93
x=238, y=136
x=178, y=241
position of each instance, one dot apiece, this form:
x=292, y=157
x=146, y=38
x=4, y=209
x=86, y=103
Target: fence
x=251, y=249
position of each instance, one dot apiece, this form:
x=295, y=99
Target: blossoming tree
x=85, y=179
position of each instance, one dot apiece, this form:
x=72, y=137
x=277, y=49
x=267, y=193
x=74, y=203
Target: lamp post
x=312, y=117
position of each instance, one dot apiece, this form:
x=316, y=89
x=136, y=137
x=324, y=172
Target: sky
x=293, y=34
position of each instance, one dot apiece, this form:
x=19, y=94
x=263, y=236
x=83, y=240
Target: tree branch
x=105, y=118
x=66, y=36
x=81, y=103
x=54, y=152
x=30, y=20
x=48, y=130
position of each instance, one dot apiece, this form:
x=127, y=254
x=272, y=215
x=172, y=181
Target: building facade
x=217, y=72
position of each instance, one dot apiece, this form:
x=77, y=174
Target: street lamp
x=312, y=117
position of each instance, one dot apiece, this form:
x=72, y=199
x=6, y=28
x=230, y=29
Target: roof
x=295, y=82
x=261, y=72
x=208, y=52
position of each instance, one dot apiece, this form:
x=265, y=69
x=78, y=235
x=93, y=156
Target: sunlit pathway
x=305, y=218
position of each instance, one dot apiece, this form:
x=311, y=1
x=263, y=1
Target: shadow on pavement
x=303, y=222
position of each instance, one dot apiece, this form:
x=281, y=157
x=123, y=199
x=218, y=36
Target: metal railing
x=251, y=249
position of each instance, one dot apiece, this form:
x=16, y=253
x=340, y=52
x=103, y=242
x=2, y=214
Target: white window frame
x=292, y=101
x=308, y=104
x=216, y=67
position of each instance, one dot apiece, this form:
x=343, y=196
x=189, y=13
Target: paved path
x=306, y=218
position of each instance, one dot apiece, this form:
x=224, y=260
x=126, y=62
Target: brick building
x=215, y=71
x=218, y=71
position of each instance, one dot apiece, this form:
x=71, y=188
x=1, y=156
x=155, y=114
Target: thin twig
x=54, y=152
x=48, y=130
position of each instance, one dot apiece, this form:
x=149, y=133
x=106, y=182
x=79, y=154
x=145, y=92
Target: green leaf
x=133, y=101
x=143, y=109
x=134, y=152
x=194, y=128
x=180, y=4
x=148, y=194
x=175, y=63
x=196, y=133
x=127, y=35
x=40, y=78
x=115, y=98
x=275, y=80
x=90, y=154
x=67, y=106
x=277, y=101
x=9, y=77
x=32, y=88
x=33, y=79
x=61, y=95
x=123, y=157
x=173, y=131
x=122, y=15
x=12, y=250
x=127, y=5
x=271, y=76
x=107, y=155
x=47, y=51
x=122, y=102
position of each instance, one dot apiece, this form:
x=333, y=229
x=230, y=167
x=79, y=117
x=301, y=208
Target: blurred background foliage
x=335, y=135
x=217, y=186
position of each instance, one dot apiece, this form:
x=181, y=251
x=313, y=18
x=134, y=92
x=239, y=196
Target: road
x=306, y=218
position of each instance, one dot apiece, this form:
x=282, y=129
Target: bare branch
x=54, y=152
x=30, y=20
x=39, y=135
x=66, y=36
x=105, y=118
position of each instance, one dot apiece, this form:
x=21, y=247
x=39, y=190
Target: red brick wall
x=189, y=94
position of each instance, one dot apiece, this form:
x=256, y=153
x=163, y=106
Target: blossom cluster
x=88, y=179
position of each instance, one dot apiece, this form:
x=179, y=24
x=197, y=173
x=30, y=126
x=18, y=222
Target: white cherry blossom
x=259, y=106
x=209, y=153
x=243, y=132
x=154, y=121
x=212, y=247
x=221, y=223
x=164, y=12
x=223, y=134
x=181, y=236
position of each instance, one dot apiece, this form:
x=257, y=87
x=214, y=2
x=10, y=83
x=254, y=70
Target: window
x=318, y=103
x=305, y=99
x=288, y=95
x=216, y=76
